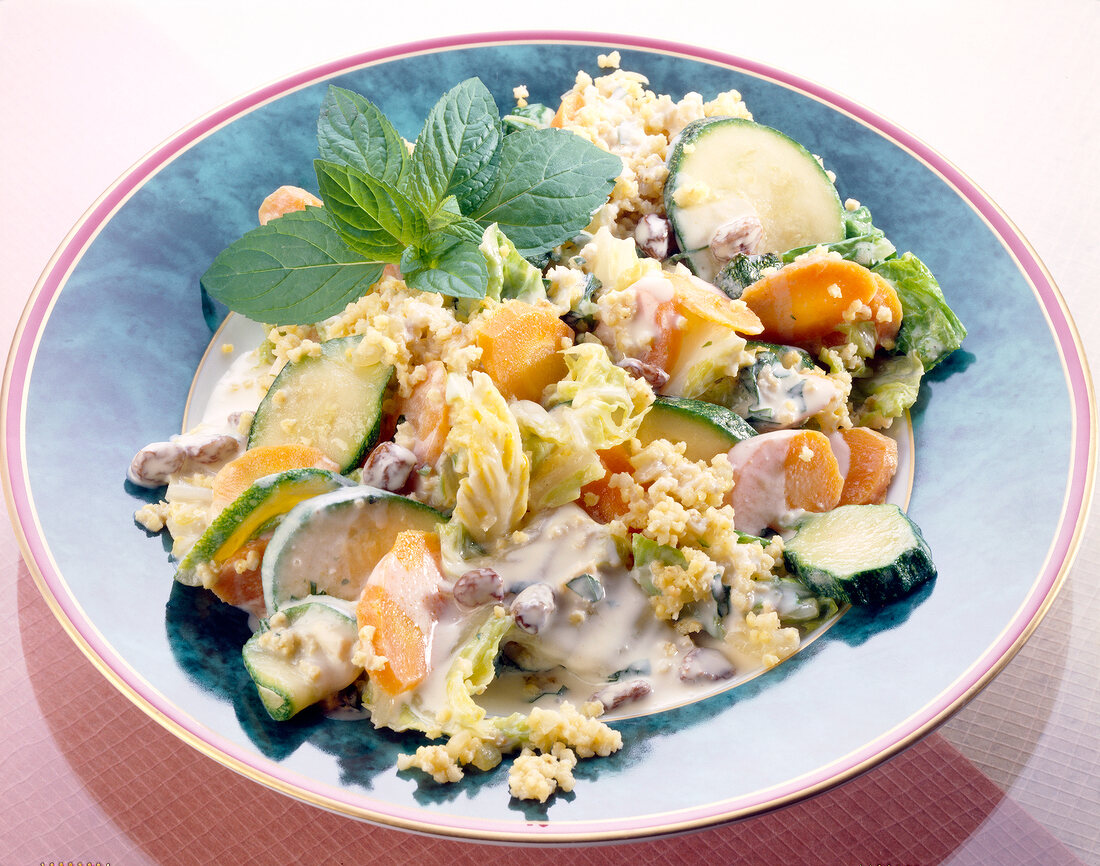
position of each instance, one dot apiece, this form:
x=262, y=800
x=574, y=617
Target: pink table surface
x=86, y=89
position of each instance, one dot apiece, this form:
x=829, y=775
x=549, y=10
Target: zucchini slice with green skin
x=724, y=169
x=268, y=499
x=326, y=401
x=707, y=428
x=301, y=655
x=742, y=271
x=860, y=554
x=330, y=544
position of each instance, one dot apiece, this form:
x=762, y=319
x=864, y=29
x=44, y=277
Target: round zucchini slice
x=726, y=169
x=301, y=655
x=330, y=544
x=707, y=428
x=861, y=554
x=326, y=401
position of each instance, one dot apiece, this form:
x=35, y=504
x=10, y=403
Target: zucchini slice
x=707, y=428
x=330, y=544
x=266, y=500
x=860, y=554
x=301, y=655
x=724, y=169
x=326, y=401
x=742, y=271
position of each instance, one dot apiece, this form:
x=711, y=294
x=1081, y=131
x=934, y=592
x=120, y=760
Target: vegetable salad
x=578, y=411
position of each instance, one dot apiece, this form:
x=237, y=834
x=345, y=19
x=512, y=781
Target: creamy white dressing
x=789, y=397
x=239, y=389
x=321, y=658
x=759, y=495
x=841, y=452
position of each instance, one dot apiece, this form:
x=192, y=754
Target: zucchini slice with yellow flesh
x=267, y=499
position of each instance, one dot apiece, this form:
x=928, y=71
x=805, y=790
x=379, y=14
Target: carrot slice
x=521, y=348
x=872, y=463
x=426, y=411
x=806, y=301
x=397, y=638
x=775, y=474
x=238, y=580
x=608, y=503
x=400, y=601
x=814, y=482
x=571, y=103
x=236, y=476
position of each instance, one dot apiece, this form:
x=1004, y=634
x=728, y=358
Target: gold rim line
x=225, y=759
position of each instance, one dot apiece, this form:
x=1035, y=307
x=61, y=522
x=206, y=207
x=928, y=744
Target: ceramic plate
x=111, y=338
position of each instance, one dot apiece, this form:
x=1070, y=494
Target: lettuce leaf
x=606, y=402
x=562, y=461
x=929, y=327
x=888, y=391
x=487, y=456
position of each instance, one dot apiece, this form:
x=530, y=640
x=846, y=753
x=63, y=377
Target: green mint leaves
x=549, y=183
x=424, y=211
x=296, y=269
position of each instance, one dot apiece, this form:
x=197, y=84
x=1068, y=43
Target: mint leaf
x=374, y=219
x=352, y=130
x=458, y=148
x=549, y=183
x=450, y=264
x=293, y=271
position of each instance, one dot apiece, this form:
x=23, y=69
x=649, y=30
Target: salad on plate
x=574, y=412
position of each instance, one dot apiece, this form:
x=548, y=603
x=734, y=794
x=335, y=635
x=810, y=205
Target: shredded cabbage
x=510, y=274
x=615, y=262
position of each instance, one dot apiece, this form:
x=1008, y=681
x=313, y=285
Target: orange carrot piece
x=427, y=413
x=286, y=199
x=872, y=463
x=567, y=111
x=609, y=503
x=397, y=638
x=780, y=472
x=400, y=602
x=806, y=301
x=238, y=582
x=814, y=482
x=236, y=476
x=521, y=348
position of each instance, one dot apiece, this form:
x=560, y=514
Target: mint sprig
x=425, y=212
x=294, y=270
